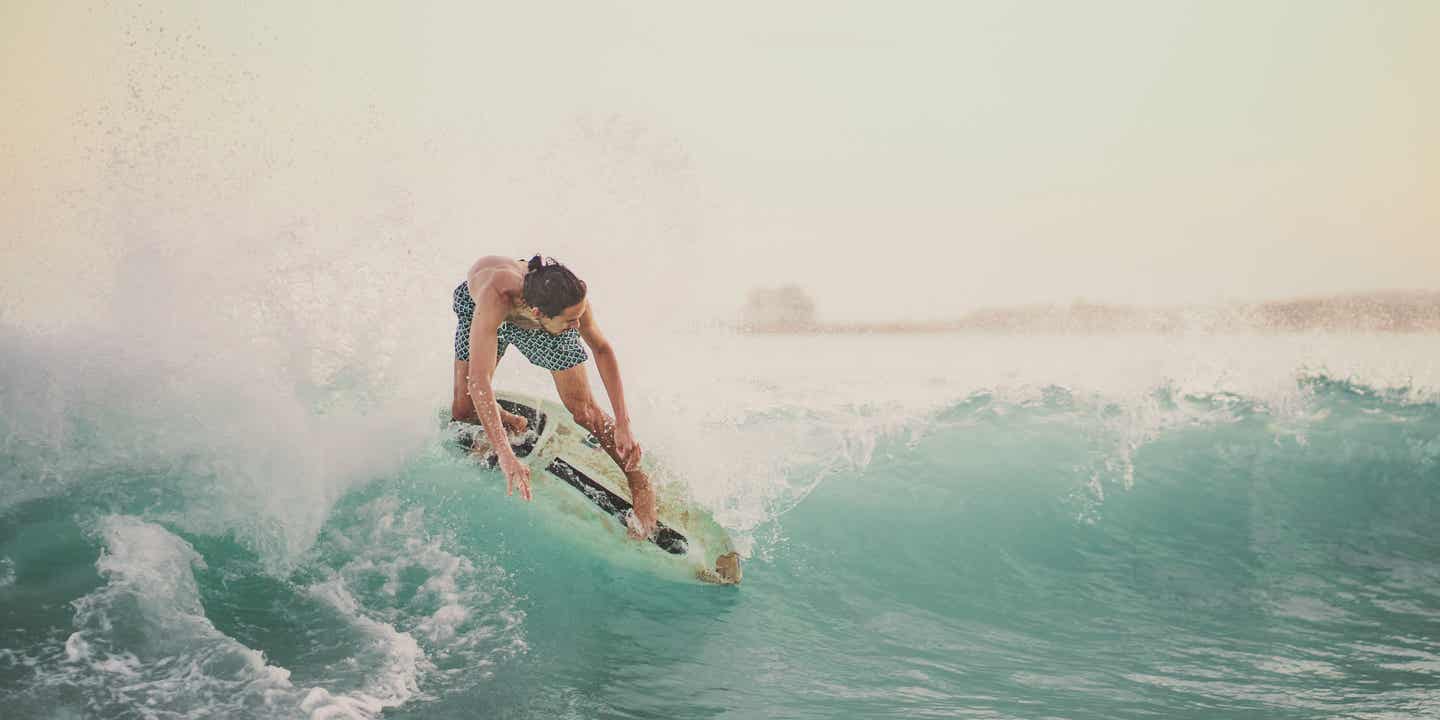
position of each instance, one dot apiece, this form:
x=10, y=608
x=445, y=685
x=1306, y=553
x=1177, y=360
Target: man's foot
x=643, y=513
x=727, y=568
x=512, y=422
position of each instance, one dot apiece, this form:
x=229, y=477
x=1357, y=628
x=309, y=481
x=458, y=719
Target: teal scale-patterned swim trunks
x=552, y=352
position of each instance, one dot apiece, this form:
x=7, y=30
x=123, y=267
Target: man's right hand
x=517, y=474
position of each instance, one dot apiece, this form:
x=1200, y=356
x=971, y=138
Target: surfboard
x=557, y=450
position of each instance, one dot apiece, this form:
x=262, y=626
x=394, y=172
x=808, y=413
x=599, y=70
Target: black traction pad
x=667, y=538
x=534, y=427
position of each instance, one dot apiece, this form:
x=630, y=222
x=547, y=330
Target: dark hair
x=550, y=287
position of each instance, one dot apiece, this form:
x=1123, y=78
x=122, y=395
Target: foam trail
x=424, y=595
x=141, y=640
x=391, y=659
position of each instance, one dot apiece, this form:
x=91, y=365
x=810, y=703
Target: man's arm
x=642, y=493
x=608, y=366
x=483, y=345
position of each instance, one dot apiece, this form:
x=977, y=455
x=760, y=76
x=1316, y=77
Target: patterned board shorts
x=552, y=352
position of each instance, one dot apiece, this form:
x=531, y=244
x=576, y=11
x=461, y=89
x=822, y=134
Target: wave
x=150, y=637
x=141, y=640
x=286, y=565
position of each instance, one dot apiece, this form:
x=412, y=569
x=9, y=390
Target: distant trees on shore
x=789, y=309
x=781, y=309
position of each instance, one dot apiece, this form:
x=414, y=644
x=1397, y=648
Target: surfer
x=540, y=307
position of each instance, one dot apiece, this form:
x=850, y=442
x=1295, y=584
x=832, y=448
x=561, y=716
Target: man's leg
x=573, y=387
x=462, y=407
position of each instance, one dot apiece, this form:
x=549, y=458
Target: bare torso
x=498, y=282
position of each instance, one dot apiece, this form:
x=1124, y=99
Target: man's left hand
x=627, y=447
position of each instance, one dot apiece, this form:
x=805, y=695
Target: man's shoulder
x=491, y=263
x=491, y=288
x=494, y=271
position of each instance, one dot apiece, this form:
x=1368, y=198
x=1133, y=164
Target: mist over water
x=379, y=149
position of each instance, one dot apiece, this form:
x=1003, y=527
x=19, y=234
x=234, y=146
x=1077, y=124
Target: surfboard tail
x=727, y=567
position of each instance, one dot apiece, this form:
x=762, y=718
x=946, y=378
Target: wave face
x=945, y=526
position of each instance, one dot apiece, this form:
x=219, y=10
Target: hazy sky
x=897, y=159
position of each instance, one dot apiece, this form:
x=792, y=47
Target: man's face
x=568, y=319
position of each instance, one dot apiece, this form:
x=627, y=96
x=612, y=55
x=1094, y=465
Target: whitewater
x=938, y=525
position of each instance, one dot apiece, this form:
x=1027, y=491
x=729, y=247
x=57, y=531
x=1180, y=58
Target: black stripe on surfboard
x=535, y=427
x=667, y=538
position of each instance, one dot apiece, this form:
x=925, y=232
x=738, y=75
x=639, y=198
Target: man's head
x=555, y=294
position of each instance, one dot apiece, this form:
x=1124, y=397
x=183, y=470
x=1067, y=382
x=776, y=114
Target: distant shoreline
x=1392, y=312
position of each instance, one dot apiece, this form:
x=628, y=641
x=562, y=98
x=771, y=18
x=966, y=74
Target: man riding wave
x=540, y=307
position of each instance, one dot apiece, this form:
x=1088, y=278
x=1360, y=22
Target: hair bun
x=550, y=287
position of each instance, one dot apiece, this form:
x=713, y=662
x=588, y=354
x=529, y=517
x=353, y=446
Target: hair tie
x=536, y=263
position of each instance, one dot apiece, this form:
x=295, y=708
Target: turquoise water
x=1066, y=537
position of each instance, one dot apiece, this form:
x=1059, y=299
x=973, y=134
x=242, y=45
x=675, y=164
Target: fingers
x=520, y=479
x=518, y=476
x=631, y=455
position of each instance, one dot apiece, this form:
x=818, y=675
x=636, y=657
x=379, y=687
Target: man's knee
x=461, y=408
x=587, y=414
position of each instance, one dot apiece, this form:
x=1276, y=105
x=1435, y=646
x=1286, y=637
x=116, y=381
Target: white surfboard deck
x=568, y=467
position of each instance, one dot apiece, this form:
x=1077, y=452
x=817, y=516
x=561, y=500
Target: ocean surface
x=946, y=526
